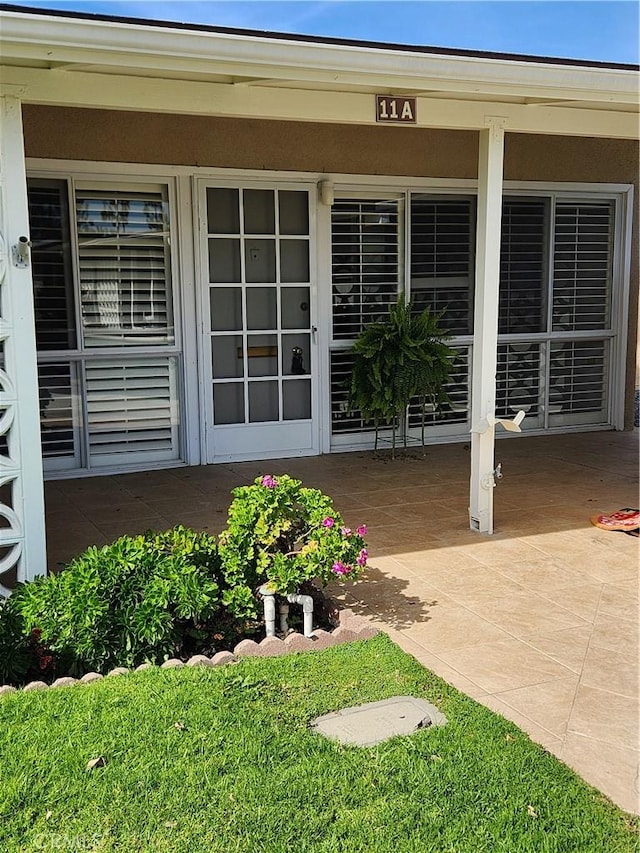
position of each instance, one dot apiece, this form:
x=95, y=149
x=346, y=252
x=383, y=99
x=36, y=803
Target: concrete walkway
x=539, y=621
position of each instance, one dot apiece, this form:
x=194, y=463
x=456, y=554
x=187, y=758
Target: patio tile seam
x=618, y=744
x=506, y=630
x=581, y=673
x=524, y=716
x=624, y=747
x=437, y=651
x=632, y=696
x=446, y=665
x=572, y=612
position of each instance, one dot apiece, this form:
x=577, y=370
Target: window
x=442, y=259
x=365, y=263
x=555, y=301
x=125, y=291
x=102, y=290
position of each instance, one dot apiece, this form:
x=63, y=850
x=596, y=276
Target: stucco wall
x=247, y=143
x=80, y=134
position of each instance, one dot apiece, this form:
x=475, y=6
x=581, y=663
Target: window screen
x=442, y=259
x=582, y=265
x=365, y=254
x=123, y=262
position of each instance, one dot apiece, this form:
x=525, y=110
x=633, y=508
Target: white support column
x=22, y=537
x=485, y=335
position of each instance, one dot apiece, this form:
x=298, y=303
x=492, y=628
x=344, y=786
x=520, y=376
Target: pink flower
x=268, y=481
x=346, y=531
x=362, y=530
x=362, y=557
x=340, y=569
x=328, y=522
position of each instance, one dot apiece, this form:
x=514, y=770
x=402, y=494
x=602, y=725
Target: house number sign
x=389, y=108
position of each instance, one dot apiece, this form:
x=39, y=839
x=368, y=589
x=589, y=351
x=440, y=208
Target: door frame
x=209, y=452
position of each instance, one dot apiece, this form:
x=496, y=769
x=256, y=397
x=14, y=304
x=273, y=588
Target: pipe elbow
x=305, y=600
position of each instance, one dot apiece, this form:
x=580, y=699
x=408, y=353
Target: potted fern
x=401, y=357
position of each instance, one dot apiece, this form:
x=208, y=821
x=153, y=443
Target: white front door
x=259, y=350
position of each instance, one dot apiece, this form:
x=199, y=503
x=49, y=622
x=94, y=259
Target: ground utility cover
x=374, y=722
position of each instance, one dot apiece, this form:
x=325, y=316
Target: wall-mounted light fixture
x=325, y=188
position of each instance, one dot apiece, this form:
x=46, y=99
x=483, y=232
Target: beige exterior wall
x=133, y=137
x=130, y=137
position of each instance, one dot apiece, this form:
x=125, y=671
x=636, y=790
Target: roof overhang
x=53, y=58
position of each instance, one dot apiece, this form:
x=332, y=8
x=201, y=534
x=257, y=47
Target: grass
x=222, y=761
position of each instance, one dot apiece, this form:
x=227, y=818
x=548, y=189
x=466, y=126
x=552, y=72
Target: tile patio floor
x=539, y=621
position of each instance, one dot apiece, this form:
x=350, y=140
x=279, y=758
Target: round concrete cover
x=374, y=722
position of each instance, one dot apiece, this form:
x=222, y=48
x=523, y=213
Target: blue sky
x=582, y=29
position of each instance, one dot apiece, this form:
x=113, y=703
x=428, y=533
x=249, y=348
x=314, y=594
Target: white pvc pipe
x=284, y=618
x=307, y=608
x=269, y=601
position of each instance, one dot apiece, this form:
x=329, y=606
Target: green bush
x=174, y=594
x=285, y=534
x=142, y=598
x=23, y=657
x=15, y=654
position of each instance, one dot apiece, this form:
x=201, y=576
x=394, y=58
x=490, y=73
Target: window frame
x=118, y=179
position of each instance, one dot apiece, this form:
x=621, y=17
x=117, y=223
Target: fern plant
x=396, y=359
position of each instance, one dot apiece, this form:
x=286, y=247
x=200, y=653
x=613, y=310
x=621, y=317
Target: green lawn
x=222, y=761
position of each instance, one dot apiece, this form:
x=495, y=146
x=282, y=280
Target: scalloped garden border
x=350, y=629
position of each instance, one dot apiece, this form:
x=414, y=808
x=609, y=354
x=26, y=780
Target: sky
x=582, y=29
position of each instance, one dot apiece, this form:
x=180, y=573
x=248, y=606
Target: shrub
x=285, y=534
x=23, y=657
x=142, y=598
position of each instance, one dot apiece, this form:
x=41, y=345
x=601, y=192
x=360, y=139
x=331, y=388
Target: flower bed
x=173, y=595
x=350, y=629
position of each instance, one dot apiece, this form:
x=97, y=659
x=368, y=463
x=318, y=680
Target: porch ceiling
x=118, y=64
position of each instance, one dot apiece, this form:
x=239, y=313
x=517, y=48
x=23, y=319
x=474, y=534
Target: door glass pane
x=226, y=356
x=51, y=265
x=261, y=308
x=259, y=212
x=124, y=267
x=223, y=215
x=295, y=307
x=226, y=309
x=296, y=399
x=224, y=261
x=260, y=261
x=294, y=260
x=295, y=354
x=263, y=401
x=262, y=355
x=228, y=403
x=293, y=212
